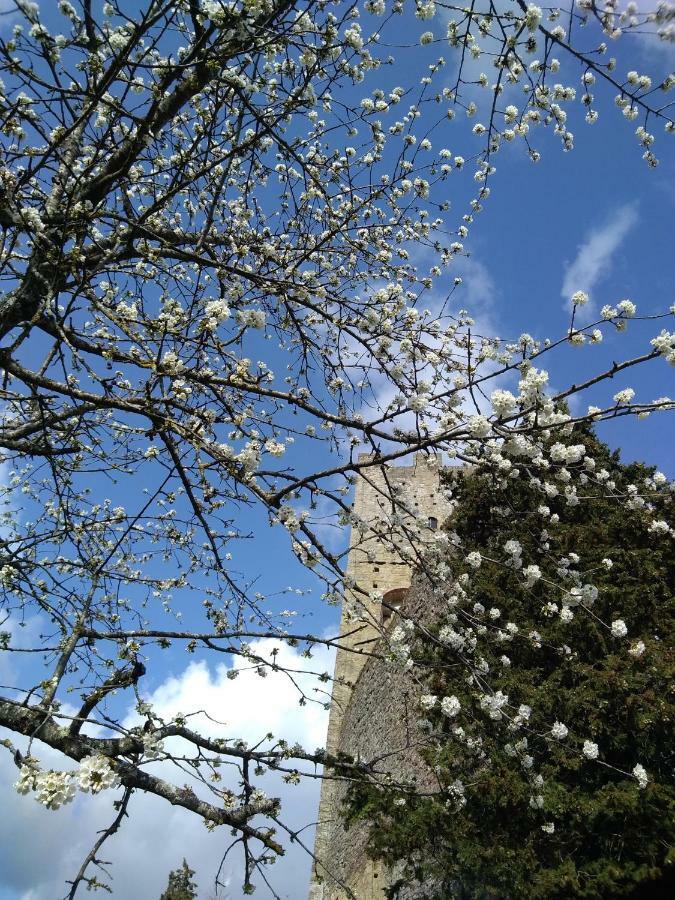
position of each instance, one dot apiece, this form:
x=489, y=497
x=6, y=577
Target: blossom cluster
x=54, y=789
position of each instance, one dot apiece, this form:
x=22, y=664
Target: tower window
x=433, y=523
x=393, y=600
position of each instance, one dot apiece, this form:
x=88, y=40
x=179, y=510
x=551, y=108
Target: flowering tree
x=213, y=224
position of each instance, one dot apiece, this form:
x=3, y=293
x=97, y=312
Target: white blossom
x=96, y=773
x=664, y=343
x=474, y=559
x=640, y=773
x=503, y=402
x=494, y=703
x=479, y=426
x=619, y=629
x=54, y=789
x=513, y=548
x=624, y=397
x=532, y=574
x=559, y=731
x=590, y=750
x=627, y=308
x=450, y=706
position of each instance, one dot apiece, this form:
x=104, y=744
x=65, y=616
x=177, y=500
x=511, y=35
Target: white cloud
x=22, y=633
x=156, y=837
x=249, y=706
x=479, y=295
x=594, y=255
x=478, y=291
x=654, y=49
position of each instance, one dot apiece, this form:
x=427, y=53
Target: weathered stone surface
x=375, y=704
x=380, y=722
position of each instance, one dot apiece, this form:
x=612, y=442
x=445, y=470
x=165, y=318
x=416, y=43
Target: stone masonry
x=383, y=548
x=381, y=718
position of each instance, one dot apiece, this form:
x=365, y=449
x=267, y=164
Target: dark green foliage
x=611, y=838
x=181, y=885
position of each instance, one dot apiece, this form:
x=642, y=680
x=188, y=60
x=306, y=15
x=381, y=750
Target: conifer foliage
x=181, y=885
x=599, y=835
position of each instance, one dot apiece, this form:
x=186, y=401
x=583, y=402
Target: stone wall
x=383, y=549
x=379, y=723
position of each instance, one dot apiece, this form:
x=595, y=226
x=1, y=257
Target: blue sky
x=597, y=215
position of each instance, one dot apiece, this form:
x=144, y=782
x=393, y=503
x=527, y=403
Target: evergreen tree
x=181, y=885
x=596, y=834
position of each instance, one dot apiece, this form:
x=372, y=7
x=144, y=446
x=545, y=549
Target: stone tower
x=394, y=507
